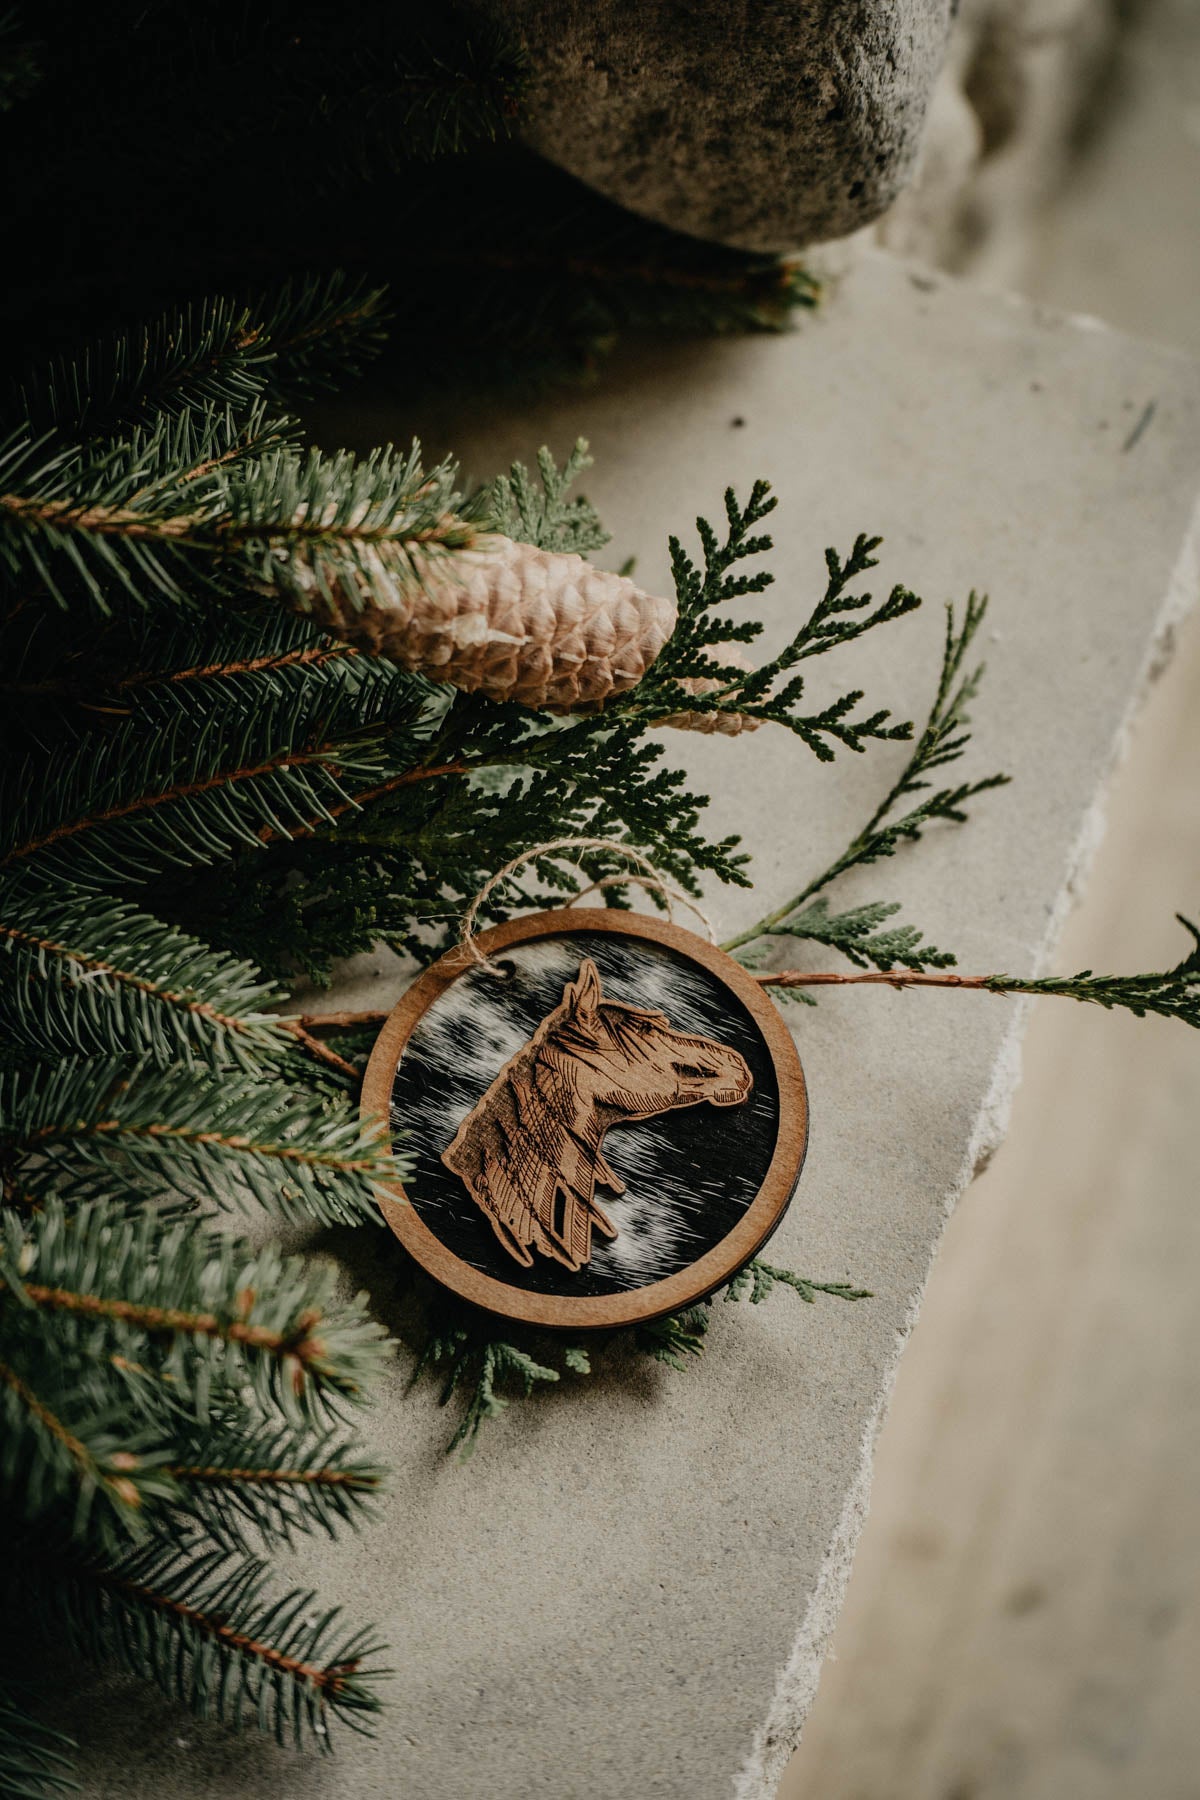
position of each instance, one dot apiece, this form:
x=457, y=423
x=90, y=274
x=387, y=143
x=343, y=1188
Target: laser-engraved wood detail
x=530, y=1150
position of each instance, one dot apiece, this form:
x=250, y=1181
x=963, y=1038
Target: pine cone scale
x=543, y=628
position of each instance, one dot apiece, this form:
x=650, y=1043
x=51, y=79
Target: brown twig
x=322, y=1052
x=339, y=1021
x=781, y=978
x=184, y=791
x=356, y=802
x=300, y=1342
x=895, y=978
x=347, y=1478
x=330, y=1680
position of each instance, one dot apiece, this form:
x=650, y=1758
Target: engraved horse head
x=530, y=1150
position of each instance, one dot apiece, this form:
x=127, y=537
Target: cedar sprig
x=944, y=740
x=759, y=1279
x=91, y=1127
x=677, y=1337
x=1172, y=994
x=479, y=1366
x=540, y=512
x=856, y=934
x=201, y=1621
x=763, y=694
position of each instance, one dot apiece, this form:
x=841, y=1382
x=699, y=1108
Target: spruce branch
x=204, y=1625
x=36, y=1761
x=206, y=353
x=203, y=1315
x=321, y=330
x=222, y=502
x=277, y=1480
x=133, y=519
x=139, y=660
x=87, y=975
x=96, y=814
x=102, y=1126
x=103, y=1473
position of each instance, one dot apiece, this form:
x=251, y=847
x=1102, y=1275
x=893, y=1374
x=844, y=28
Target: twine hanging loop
x=644, y=875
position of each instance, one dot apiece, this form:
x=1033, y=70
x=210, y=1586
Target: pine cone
x=504, y=619
x=728, y=724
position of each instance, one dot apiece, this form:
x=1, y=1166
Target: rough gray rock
x=762, y=126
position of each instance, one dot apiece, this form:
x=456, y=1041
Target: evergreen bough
x=206, y=796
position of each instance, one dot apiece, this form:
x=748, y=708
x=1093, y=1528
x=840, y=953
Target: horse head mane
x=530, y=1151
x=520, y=1149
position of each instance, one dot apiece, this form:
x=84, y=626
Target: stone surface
x=764, y=127
x=1019, y=85
x=628, y=1591
x=1023, y=1620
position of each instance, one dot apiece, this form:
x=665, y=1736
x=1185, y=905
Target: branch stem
x=895, y=978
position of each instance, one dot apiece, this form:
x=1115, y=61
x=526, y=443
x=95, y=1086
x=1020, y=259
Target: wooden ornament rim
x=586, y=1312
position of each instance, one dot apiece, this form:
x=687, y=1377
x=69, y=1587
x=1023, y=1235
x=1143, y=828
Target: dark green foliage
x=278, y=1480
x=1174, y=994
x=382, y=136
x=478, y=1366
x=96, y=975
x=308, y=336
x=757, y=1280
x=205, y=1627
x=544, y=512
x=177, y=1317
x=35, y=1760
x=203, y=783
x=162, y=1389
x=92, y=1124
x=856, y=934
x=944, y=740
x=485, y=1372
x=20, y=60
x=213, y=787
x=761, y=694
x=673, y=1339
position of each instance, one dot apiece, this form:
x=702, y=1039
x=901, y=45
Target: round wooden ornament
x=605, y=1121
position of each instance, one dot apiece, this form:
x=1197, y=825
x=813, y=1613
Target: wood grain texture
x=628, y=1063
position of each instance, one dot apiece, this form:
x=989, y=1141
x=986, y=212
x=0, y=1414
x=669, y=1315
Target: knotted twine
x=645, y=876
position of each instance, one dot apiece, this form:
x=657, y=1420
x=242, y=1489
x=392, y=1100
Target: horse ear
x=585, y=991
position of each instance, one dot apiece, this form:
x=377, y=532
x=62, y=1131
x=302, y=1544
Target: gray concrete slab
x=628, y=1591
